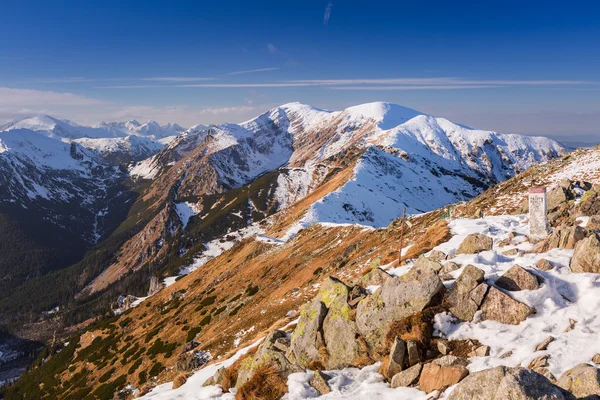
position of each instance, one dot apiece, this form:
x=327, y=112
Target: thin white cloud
x=176, y=79
x=327, y=15
x=251, y=71
x=414, y=87
x=438, y=81
x=272, y=48
x=27, y=97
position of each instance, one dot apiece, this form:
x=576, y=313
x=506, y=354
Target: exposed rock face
x=498, y=306
x=267, y=354
x=475, y=243
x=562, y=238
x=586, y=257
x=442, y=373
x=426, y=261
x=307, y=338
x=460, y=300
x=407, y=377
x=192, y=360
x=517, y=278
x=397, y=298
x=339, y=330
x=558, y=195
x=503, y=383
x=375, y=277
x=581, y=381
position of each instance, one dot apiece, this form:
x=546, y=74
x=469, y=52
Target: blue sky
x=523, y=67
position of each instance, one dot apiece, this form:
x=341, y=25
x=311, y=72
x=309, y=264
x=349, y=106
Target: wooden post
x=402, y=222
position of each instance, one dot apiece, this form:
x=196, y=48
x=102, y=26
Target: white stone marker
x=538, y=212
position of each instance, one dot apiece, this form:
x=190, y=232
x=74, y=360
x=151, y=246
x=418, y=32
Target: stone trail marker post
x=538, y=212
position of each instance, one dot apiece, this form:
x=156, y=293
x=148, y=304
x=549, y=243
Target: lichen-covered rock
x=558, y=196
x=375, y=277
x=475, y=243
x=517, y=278
x=319, y=382
x=437, y=377
x=339, y=329
x=581, y=381
x=267, y=354
x=586, y=257
x=498, y=306
x=447, y=269
x=426, y=261
x=397, y=298
x=307, y=337
x=459, y=299
x=408, y=377
x=503, y=383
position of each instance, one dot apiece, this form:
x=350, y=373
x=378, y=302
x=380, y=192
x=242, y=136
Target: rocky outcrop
x=565, y=237
x=498, y=306
x=397, y=298
x=475, y=243
x=267, y=354
x=517, y=278
x=503, y=383
x=307, y=338
x=582, y=381
x=586, y=257
x=466, y=294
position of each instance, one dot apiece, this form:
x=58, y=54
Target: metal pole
x=402, y=222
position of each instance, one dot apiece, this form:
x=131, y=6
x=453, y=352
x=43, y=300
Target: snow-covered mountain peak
x=386, y=115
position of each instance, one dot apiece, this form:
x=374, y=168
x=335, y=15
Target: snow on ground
x=562, y=296
x=185, y=211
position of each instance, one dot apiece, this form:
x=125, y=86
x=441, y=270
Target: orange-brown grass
x=265, y=384
x=230, y=374
x=435, y=235
x=180, y=380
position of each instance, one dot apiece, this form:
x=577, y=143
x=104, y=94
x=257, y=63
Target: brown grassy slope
x=248, y=288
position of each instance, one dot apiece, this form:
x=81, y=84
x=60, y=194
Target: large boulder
x=339, y=328
x=459, y=299
x=558, y=195
x=408, y=377
x=475, y=243
x=397, y=298
x=498, y=306
x=503, y=383
x=582, y=381
x=586, y=257
x=307, y=337
x=517, y=278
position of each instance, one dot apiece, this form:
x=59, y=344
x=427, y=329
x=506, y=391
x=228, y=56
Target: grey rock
x=307, y=337
x=478, y=294
x=437, y=377
x=498, y=306
x=581, y=381
x=459, y=296
x=398, y=353
x=397, y=298
x=319, y=382
x=544, y=265
x=544, y=345
x=586, y=257
x=503, y=383
x=517, y=278
x=413, y=352
x=448, y=361
x=437, y=255
x=408, y=377
x=375, y=277
x=426, y=261
x=475, y=243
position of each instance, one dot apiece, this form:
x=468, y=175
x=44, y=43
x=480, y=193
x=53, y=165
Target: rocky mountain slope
x=485, y=307
x=253, y=189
